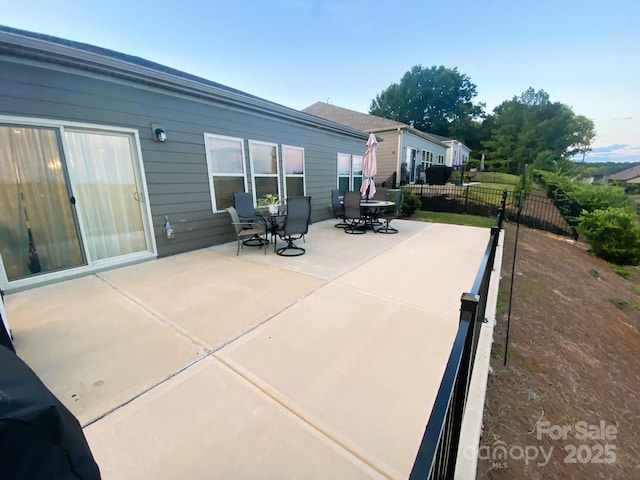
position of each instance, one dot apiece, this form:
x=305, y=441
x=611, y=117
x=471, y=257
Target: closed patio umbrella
x=369, y=168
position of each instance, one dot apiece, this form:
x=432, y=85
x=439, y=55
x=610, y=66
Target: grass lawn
x=495, y=186
x=497, y=177
x=453, y=218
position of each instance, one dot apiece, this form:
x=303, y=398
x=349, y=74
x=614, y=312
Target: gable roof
x=626, y=174
x=361, y=121
x=365, y=121
x=54, y=50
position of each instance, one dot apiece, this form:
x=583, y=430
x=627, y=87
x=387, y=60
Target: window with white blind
x=294, y=170
x=226, y=166
x=349, y=172
x=356, y=171
x=265, y=169
x=344, y=172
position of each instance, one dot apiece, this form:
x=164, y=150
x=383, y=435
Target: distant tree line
x=527, y=129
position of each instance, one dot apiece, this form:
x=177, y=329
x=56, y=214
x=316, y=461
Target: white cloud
x=613, y=153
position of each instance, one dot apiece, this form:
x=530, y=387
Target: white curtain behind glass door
x=36, y=218
x=105, y=186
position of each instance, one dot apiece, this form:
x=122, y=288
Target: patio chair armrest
x=248, y=224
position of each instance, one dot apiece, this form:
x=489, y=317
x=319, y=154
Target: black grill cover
x=39, y=437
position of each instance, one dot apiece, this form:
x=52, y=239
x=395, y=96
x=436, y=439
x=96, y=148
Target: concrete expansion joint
x=283, y=402
x=164, y=321
x=148, y=389
x=208, y=351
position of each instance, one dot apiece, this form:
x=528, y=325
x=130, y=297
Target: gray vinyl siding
x=176, y=171
x=413, y=141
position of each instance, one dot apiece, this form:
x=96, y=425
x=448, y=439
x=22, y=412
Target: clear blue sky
x=297, y=52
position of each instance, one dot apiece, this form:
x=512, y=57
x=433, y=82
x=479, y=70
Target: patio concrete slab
x=208, y=423
x=93, y=348
x=335, y=360
x=211, y=297
x=430, y=269
x=330, y=252
x=325, y=365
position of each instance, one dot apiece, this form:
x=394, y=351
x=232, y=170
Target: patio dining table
x=272, y=219
x=370, y=210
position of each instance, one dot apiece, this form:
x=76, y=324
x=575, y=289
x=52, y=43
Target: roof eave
x=17, y=45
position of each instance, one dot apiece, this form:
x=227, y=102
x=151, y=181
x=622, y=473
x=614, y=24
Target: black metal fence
x=538, y=211
x=436, y=458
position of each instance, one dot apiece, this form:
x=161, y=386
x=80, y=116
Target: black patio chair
x=243, y=203
x=296, y=226
x=353, y=213
x=338, y=208
x=248, y=231
x=389, y=213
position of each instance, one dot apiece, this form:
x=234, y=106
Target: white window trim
x=338, y=174
x=212, y=191
x=286, y=175
x=263, y=175
x=353, y=175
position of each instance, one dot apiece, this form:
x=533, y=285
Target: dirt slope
x=566, y=405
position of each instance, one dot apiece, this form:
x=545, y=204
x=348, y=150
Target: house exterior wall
x=392, y=150
x=452, y=145
x=176, y=171
x=387, y=156
x=409, y=140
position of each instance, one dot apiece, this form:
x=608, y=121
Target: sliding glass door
x=104, y=182
x=38, y=223
x=69, y=197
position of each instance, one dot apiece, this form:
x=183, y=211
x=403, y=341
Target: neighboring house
x=629, y=175
x=595, y=179
x=620, y=174
x=98, y=150
x=405, y=152
x=457, y=152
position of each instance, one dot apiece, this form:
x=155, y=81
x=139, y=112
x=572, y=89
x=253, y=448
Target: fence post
x=501, y=210
x=466, y=196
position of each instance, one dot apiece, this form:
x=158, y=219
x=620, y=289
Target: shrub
x=600, y=197
x=621, y=303
x=411, y=202
x=613, y=234
x=573, y=198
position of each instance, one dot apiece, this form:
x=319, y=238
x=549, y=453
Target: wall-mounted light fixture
x=159, y=132
x=161, y=135
x=167, y=229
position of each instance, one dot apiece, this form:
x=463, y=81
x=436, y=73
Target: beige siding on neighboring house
x=387, y=155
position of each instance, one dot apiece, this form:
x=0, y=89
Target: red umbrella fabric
x=369, y=168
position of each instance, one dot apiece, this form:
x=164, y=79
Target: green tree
x=434, y=100
x=530, y=128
